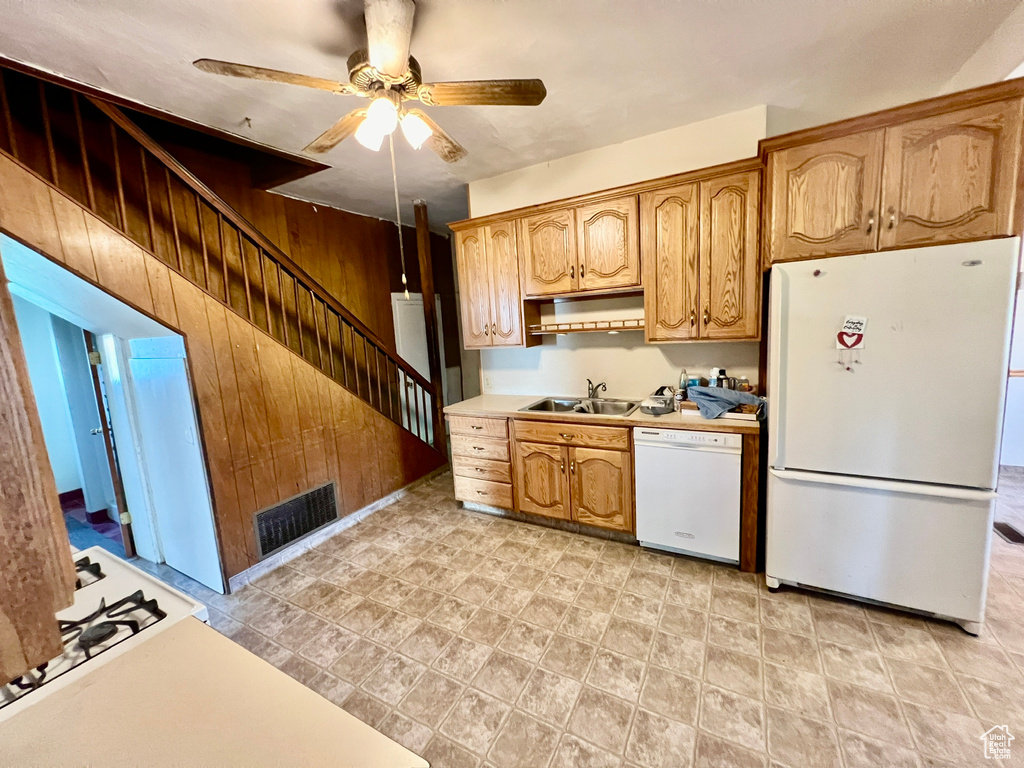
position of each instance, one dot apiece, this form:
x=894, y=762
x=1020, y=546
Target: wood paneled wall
x=272, y=425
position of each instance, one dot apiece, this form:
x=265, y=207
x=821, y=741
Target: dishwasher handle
x=682, y=447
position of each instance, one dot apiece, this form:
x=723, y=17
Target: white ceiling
x=614, y=70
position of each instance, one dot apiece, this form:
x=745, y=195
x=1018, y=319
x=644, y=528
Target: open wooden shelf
x=587, y=326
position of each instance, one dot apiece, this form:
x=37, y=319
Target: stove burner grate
x=87, y=572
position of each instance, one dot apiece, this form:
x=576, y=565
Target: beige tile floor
x=478, y=641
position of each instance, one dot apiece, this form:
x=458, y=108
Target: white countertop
x=510, y=405
x=187, y=697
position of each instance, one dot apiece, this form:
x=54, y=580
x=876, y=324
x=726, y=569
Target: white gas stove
x=117, y=606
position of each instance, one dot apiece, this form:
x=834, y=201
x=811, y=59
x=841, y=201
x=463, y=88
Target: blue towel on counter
x=712, y=402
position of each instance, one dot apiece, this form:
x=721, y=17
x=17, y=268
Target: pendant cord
x=398, y=213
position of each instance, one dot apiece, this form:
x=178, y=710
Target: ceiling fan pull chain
x=398, y=213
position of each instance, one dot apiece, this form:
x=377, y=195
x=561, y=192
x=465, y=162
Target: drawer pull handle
x=475, y=426
x=480, y=493
x=565, y=436
x=478, y=469
x=477, y=448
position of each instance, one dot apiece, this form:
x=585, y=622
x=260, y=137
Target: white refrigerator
x=887, y=378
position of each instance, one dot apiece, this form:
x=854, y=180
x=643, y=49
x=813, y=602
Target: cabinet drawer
x=480, y=447
x=475, y=425
x=482, y=469
x=616, y=438
x=483, y=492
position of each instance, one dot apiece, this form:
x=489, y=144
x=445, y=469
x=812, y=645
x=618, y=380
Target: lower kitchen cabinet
x=567, y=479
x=601, y=488
x=541, y=482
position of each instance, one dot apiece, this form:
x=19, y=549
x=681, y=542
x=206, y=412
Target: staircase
x=91, y=152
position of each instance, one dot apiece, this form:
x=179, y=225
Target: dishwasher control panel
x=682, y=438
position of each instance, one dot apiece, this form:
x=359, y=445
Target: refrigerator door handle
x=891, y=486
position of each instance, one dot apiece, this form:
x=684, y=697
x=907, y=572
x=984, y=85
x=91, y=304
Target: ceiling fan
x=388, y=76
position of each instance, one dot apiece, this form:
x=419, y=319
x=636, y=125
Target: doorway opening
x=119, y=422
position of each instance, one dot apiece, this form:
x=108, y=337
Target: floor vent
x=1009, y=533
x=290, y=520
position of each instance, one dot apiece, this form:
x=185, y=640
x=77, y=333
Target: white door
x=923, y=400
x=411, y=345
x=174, y=466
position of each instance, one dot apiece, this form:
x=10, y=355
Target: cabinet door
x=951, y=177
x=506, y=304
x=669, y=232
x=823, y=197
x=542, y=486
x=730, y=280
x=548, y=243
x=602, y=488
x=608, y=238
x=474, y=288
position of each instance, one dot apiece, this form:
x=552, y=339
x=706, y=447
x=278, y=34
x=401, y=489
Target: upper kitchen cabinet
x=823, y=197
x=548, y=242
x=938, y=171
x=700, y=241
x=488, y=264
x=729, y=274
x=951, y=177
x=474, y=286
x=608, y=238
x=669, y=225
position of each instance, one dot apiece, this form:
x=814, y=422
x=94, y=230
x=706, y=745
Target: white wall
x=722, y=139
x=998, y=58
x=631, y=368
x=1012, y=451
x=48, y=387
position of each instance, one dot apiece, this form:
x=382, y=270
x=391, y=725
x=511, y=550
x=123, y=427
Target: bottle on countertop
x=713, y=377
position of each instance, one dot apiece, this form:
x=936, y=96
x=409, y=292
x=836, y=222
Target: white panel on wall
x=48, y=387
x=630, y=367
x=721, y=139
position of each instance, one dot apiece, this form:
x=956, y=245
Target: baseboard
x=292, y=551
x=77, y=495
x=551, y=522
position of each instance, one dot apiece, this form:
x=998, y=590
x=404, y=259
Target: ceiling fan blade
x=527, y=93
x=337, y=133
x=231, y=69
x=388, y=34
x=447, y=148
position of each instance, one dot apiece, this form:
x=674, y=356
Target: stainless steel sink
x=593, y=407
x=552, y=405
x=614, y=407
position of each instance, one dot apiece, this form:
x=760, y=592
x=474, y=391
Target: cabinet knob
x=871, y=221
x=562, y=467
x=487, y=331
x=572, y=467
x=581, y=271
x=475, y=426
x=693, y=317
x=494, y=329
x=707, y=316
x=477, y=448
x=572, y=273
x=892, y=217
x=565, y=436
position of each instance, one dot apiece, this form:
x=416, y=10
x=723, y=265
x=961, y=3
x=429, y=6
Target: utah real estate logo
x=997, y=742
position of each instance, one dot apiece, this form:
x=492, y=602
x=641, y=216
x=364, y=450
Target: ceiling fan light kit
x=389, y=76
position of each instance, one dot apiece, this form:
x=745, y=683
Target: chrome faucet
x=593, y=389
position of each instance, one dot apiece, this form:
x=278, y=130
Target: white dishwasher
x=688, y=491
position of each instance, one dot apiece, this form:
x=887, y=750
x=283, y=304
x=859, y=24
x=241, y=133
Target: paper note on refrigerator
x=851, y=334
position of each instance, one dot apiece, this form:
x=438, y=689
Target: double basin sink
x=593, y=406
